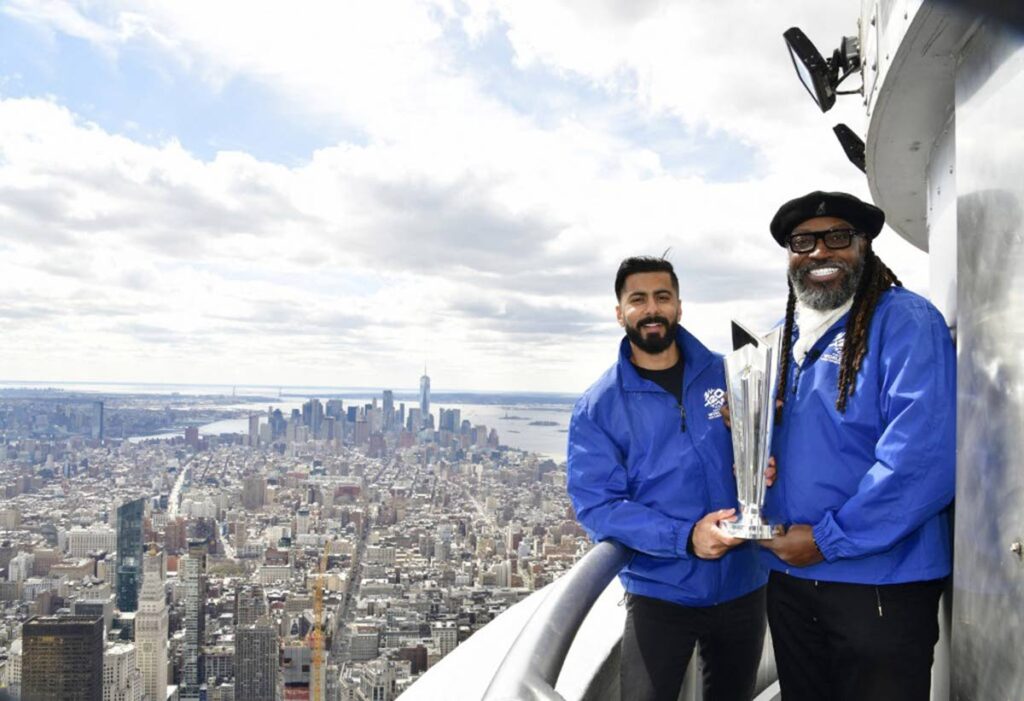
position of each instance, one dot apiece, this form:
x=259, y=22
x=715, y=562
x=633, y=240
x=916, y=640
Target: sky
x=339, y=194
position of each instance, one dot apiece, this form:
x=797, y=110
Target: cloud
x=26, y=312
x=473, y=222
x=61, y=17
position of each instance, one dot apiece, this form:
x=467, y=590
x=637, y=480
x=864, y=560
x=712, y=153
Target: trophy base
x=750, y=531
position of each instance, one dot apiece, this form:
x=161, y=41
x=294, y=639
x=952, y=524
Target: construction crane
x=316, y=636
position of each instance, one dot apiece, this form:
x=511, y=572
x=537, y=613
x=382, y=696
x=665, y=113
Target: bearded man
x=865, y=443
x=650, y=466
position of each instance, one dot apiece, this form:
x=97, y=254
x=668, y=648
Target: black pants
x=853, y=641
x=659, y=639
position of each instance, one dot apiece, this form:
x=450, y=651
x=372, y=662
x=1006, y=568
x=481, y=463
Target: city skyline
x=255, y=389
x=207, y=563
x=316, y=198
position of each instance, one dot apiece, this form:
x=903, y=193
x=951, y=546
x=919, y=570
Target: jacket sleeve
x=913, y=477
x=598, y=487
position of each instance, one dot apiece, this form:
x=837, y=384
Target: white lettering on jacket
x=714, y=398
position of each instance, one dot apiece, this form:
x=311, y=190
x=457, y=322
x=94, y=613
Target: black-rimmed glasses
x=835, y=239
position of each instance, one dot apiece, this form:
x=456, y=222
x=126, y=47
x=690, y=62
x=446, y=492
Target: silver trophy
x=751, y=376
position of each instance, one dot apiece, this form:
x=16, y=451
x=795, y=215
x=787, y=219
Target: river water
x=533, y=426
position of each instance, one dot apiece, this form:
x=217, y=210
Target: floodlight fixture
x=852, y=145
x=820, y=76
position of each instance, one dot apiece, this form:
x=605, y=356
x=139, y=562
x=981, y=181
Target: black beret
x=867, y=218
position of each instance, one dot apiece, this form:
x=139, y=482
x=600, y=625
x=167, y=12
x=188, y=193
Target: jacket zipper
x=878, y=598
x=682, y=401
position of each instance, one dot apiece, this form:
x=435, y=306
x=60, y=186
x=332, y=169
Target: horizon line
x=54, y=384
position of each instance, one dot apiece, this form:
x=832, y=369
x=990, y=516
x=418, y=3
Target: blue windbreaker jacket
x=643, y=471
x=875, y=482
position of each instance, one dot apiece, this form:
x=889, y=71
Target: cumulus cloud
x=469, y=223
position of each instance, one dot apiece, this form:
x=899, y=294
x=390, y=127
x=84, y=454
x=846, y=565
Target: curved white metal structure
x=944, y=91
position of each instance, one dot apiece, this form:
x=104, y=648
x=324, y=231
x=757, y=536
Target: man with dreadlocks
x=865, y=442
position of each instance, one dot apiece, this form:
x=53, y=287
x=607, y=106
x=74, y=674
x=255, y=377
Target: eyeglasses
x=835, y=239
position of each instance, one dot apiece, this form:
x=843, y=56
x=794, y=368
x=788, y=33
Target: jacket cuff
x=827, y=535
x=684, y=539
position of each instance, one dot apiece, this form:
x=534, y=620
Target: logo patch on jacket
x=714, y=398
x=834, y=352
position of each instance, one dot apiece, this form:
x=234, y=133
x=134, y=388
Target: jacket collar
x=696, y=357
x=826, y=337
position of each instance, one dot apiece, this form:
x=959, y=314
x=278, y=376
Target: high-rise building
x=389, y=410
x=424, y=398
x=122, y=680
x=296, y=669
x=254, y=492
x=96, y=538
x=219, y=661
x=256, y=662
x=151, y=629
x=250, y=604
x=361, y=433
x=364, y=642
x=302, y=520
x=193, y=567
x=445, y=636
x=450, y=420
x=335, y=408
x=129, y=553
x=378, y=681
x=277, y=422
x=254, y=430
x=97, y=421
x=414, y=422
x=313, y=416
x=62, y=658
x=12, y=670
x=91, y=608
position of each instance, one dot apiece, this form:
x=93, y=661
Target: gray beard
x=828, y=298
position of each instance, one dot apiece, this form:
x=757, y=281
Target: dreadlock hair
x=875, y=279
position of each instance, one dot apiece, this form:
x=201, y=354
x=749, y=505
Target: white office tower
x=379, y=681
x=83, y=541
x=122, y=680
x=302, y=521
x=424, y=399
x=12, y=671
x=445, y=636
x=151, y=630
x=20, y=567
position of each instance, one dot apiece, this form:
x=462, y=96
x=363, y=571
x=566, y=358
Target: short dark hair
x=643, y=264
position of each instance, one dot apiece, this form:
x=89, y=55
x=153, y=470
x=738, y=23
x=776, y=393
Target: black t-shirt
x=669, y=379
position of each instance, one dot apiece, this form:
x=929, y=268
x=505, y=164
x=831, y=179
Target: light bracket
x=820, y=76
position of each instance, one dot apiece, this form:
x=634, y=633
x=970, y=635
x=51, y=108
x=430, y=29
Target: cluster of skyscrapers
x=379, y=425
x=205, y=567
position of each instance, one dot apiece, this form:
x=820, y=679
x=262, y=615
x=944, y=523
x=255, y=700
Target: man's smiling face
x=649, y=310
x=825, y=278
